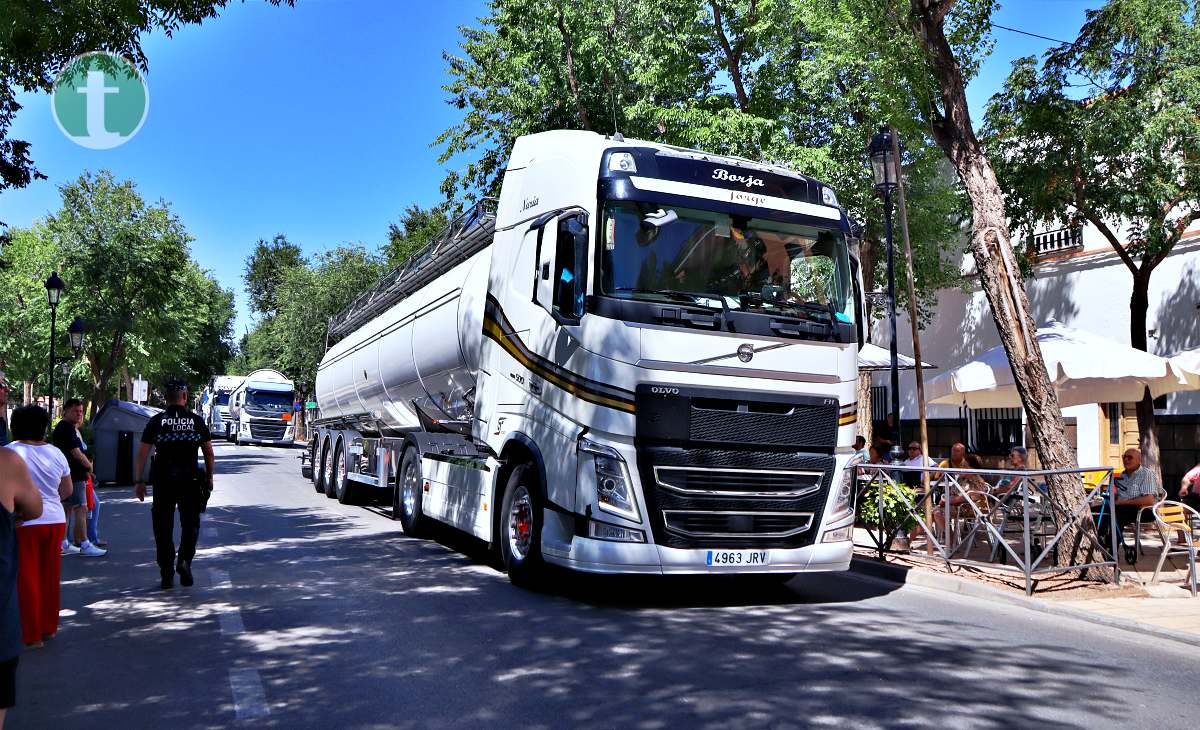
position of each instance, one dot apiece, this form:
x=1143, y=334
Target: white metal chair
x=1182, y=523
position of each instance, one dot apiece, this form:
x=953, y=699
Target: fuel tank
x=422, y=352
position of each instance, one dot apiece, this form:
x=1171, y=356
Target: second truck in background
x=261, y=409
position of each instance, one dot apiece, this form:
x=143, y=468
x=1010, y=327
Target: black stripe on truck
x=497, y=328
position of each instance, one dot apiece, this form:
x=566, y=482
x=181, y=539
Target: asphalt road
x=307, y=613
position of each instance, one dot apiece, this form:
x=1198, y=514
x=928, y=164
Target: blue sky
x=317, y=121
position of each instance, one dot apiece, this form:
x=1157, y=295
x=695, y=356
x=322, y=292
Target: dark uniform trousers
x=185, y=495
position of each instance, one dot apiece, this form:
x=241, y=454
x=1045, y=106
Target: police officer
x=175, y=435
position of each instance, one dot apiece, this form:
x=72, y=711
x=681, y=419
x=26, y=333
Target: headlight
x=843, y=501
x=614, y=492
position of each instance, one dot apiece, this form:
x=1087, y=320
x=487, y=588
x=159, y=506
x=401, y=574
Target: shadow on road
x=350, y=629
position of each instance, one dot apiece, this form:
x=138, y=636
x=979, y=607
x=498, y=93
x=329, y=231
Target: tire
x=336, y=473
x=347, y=490
x=407, y=497
x=310, y=471
x=520, y=529
x=321, y=453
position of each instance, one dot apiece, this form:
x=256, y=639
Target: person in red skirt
x=39, y=541
x=19, y=500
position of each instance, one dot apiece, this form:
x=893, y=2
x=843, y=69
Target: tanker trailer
x=643, y=361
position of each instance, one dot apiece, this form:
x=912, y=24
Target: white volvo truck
x=261, y=409
x=214, y=404
x=643, y=362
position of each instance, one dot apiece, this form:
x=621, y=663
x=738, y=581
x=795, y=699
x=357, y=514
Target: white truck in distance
x=261, y=408
x=214, y=404
x=643, y=362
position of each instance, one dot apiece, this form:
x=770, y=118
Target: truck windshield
x=268, y=400
x=222, y=399
x=669, y=253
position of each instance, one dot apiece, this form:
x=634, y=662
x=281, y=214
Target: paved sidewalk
x=1166, y=610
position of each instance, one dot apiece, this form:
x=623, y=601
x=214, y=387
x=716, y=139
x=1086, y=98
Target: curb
x=896, y=575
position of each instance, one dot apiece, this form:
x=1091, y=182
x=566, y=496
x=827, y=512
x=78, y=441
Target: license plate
x=741, y=558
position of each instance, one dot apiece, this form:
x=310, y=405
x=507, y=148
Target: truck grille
x=695, y=416
x=721, y=498
x=737, y=482
x=267, y=430
x=727, y=524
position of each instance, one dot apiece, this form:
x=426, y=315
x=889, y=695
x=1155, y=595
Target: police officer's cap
x=176, y=385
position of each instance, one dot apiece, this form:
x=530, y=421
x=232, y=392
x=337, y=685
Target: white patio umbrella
x=1085, y=368
x=1189, y=362
x=874, y=357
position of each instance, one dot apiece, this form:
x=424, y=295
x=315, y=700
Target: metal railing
x=984, y=518
x=1057, y=241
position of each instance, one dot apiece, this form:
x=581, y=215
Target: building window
x=994, y=431
x=1113, y=411
x=879, y=403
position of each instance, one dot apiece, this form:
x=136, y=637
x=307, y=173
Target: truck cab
x=261, y=408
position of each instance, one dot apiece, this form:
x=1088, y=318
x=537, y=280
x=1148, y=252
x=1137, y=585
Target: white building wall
x=1088, y=291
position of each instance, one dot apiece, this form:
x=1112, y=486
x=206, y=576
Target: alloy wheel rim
x=520, y=523
x=408, y=494
x=341, y=469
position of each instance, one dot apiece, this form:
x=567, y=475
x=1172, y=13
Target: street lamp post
x=886, y=170
x=54, y=290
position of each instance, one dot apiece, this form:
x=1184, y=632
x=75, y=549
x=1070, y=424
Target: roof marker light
x=621, y=162
x=828, y=197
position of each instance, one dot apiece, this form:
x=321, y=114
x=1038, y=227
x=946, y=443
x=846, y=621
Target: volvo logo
x=663, y=390
x=745, y=352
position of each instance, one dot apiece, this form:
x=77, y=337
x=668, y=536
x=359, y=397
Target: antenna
x=612, y=104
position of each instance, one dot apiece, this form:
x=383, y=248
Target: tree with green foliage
x=27, y=261
x=417, y=227
x=1107, y=131
x=266, y=268
x=130, y=276
x=39, y=37
x=785, y=81
x=293, y=339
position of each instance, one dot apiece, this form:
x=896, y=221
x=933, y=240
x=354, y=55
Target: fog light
x=614, y=533
x=842, y=534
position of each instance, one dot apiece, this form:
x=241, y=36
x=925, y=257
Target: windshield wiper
x=679, y=296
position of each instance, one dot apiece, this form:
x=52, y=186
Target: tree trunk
x=580, y=109
x=863, y=425
x=1139, y=304
x=996, y=263
x=27, y=394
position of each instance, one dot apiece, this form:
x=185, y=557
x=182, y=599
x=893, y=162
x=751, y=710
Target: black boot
x=168, y=581
x=184, y=568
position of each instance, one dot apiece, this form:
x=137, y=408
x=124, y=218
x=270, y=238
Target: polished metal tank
x=425, y=349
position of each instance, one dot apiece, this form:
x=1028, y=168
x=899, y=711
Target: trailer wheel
x=407, y=496
x=321, y=456
x=337, y=472
x=347, y=489
x=310, y=471
x=520, y=533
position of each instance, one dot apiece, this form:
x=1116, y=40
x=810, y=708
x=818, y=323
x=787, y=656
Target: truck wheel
x=319, y=465
x=347, y=489
x=310, y=471
x=520, y=532
x=337, y=472
x=406, y=497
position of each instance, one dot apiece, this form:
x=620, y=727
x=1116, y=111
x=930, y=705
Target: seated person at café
x=1136, y=487
x=1018, y=460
